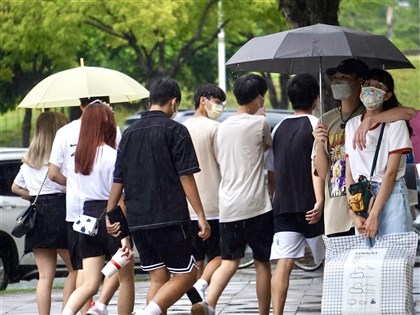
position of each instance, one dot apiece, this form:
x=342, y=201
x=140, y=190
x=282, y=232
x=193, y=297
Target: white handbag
x=86, y=224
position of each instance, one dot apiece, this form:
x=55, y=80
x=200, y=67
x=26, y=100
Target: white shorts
x=292, y=245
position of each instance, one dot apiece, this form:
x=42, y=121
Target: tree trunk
x=26, y=127
x=284, y=99
x=300, y=13
x=272, y=94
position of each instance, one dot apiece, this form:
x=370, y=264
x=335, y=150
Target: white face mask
x=341, y=89
x=215, y=111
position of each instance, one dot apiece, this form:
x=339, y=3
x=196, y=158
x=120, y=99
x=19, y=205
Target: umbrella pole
x=321, y=99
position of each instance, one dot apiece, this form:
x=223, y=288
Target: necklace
x=344, y=121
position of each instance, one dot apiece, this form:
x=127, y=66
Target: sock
x=100, y=306
x=201, y=285
x=67, y=311
x=153, y=309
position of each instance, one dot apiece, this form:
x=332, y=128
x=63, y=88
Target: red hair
x=98, y=128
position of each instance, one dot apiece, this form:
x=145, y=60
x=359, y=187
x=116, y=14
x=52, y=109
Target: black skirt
x=50, y=230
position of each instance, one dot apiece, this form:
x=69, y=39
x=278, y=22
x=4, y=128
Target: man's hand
x=205, y=230
x=313, y=216
x=359, y=138
x=320, y=135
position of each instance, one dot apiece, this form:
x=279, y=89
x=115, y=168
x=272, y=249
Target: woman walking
x=49, y=235
x=94, y=165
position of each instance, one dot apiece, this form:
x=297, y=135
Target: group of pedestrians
x=195, y=194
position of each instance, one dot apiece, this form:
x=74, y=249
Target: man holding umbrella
x=329, y=150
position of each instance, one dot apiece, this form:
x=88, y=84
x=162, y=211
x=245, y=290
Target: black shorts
x=296, y=222
x=257, y=232
x=74, y=249
x=102, y=244
x=50, y=229
x=170, y=247
x=209, y=248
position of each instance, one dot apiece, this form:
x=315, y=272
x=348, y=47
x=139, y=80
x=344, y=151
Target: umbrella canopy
x=65, y=88
x=309, y=49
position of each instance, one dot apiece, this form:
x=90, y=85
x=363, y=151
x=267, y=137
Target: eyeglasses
x=378, y=85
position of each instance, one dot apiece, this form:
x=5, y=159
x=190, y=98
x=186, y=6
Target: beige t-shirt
x=336, y=213
x=241, y=141
x=203, y=132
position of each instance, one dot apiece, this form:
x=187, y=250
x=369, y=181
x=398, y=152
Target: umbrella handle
x=321, y=99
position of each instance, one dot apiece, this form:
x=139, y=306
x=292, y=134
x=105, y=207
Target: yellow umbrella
x=65, y=88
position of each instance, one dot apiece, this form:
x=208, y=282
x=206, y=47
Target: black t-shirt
x=292, y=149
x=153, y=153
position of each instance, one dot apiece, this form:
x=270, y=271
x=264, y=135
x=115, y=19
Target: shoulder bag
x=26, y=220
x=361, y=197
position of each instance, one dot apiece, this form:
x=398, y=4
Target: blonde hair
x=39, y=150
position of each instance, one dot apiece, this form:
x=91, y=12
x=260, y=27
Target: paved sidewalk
x=239, y=297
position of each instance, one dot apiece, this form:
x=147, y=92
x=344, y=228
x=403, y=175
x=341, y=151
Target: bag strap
x=375, y=158
x=40, y=188
x=102, y=214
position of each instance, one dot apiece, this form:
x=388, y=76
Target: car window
x=8, y=172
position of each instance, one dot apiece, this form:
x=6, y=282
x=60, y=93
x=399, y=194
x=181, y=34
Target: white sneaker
x=94, y=310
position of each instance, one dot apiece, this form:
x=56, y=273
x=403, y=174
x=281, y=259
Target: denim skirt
x=395, y=216
x=50, y=229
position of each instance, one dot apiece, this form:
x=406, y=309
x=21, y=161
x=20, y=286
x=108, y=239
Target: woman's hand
x=126, y=247
x=371, y=225
x=114, y=228
x=360, y=223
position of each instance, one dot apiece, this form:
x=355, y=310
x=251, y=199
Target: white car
x=274, y=116
x=14, y=266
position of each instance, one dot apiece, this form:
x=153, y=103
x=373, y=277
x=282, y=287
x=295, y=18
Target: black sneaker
x=194, y=296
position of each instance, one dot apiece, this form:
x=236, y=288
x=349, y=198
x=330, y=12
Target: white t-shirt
x=395, y=139
x=62, y=156
x=203, y=132
x=241, y=140
x=96, y=185
x=31, y=179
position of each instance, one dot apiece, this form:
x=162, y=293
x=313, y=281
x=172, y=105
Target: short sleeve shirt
x=203, y=133
x=153, y=153
x=62, y=156
x=395, y=139
x=336, y=214
x=291, y=163
x=241, y=140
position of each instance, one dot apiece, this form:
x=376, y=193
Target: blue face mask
x=372, y=97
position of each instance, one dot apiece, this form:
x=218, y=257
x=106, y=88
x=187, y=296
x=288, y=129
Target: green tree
x=34, y=45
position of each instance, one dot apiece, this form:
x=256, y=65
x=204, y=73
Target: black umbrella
x=314, y=48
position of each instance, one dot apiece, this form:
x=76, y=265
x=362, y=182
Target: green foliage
x=371, y=16
x=407, y=84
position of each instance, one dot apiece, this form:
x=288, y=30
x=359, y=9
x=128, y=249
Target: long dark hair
x=386, y=78
x=98, y=128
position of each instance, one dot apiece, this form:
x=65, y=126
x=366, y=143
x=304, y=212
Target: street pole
x=221, y=50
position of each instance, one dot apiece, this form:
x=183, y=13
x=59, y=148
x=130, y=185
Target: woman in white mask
x=390, y=212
